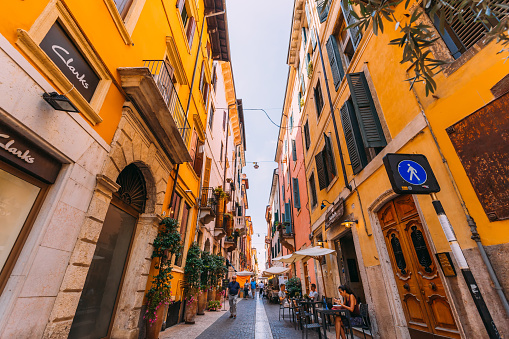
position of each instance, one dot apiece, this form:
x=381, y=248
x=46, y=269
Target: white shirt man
x=313, y=294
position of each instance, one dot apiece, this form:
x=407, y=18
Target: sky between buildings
x=259, y=36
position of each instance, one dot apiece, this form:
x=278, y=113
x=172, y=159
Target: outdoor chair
x=282, y=306
x=306, y=325
x=366, y=324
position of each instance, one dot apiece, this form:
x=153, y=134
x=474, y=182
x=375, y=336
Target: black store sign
x=62, y=51
x=24, y=154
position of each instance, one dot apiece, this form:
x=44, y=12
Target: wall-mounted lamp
x=349, y=223
x=59, y=102
x=320, y=242
x=256, y=166
x=322, y=206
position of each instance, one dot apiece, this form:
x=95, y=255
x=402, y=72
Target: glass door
x=100, y=293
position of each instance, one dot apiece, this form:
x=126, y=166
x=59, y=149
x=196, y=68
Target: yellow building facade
x=380, y=236
x=139, y=78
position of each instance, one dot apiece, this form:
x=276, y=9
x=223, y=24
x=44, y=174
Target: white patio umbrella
x=275, y=270
x=306, y=254
x=244, y=274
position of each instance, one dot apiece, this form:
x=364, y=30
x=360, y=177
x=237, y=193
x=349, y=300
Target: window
x=198, y=158
x=336, y=65
x=318, y=98
x=458, y=36
x=307, y=138
x=302, y=84
x=296, y=193
x=308, y=61
x=211, y=117
x=183, y=231
x=361, y=124
x=312, y=188
x=291, y=123
x=175, y=206
x=354, y=32
x=214, y=78
x=221, y=154
x=294, y=150
x=304, y=36
x=285, y=147
x=299, y=98
x=224, y=120
x=123, y=6
x=325, y=166
x=188, y=22
x=322, y=9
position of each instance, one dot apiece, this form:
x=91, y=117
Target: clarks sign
x=27, y=155
x=62, y=51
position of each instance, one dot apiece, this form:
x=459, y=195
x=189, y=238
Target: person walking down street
x=233, y=292
x=247, y=285
x=261, y=286
x=253, y=288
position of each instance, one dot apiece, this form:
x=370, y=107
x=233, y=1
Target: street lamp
x=60, y=102
x=322, y=206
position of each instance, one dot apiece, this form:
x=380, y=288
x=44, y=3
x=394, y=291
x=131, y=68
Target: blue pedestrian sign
x=410, y=174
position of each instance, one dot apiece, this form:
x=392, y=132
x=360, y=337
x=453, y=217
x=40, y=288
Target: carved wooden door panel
x=420, y=287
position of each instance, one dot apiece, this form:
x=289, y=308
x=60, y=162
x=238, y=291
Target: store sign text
x=25, y=156
x=81, y=78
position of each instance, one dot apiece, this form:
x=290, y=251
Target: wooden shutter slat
x=307, y=138
x=353, y=144
x=296, y=193
x=323, y=12
x=312, y=187
x=180, y=4
x=350, y=20
x=320, y=170
x=335, y=61
x=331, y=167
x=192, y=28
x=367, y=117
x=198, y=162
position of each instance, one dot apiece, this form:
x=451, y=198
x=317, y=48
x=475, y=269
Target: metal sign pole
x=484, y=313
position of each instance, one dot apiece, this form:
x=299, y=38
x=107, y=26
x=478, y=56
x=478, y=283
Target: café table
x=339, y=312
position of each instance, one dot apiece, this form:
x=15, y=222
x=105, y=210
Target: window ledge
x=117, y=19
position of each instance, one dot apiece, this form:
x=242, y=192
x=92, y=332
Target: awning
x=275, y=270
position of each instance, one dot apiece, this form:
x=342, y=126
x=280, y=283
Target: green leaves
x=193, y=269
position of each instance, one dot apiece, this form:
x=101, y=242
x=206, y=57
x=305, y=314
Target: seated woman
x=350, y=303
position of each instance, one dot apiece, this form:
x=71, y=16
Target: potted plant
x=208, y=262
x=192, y=280
x=218, y=191
x=293, y=287
x=167, y=243
x=310, y=69
x=214, y=305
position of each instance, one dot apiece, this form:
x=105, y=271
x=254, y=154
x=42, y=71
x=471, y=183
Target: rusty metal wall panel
x=481, y=141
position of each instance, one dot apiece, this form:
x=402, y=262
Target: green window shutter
x=353, y=138
x=283, y=191
x=312, y=188
x=335, y=61
x=323, y=12
x=350, y=20
x=276, y=216
x=288, y=215
x=320, y=170
x=367, y=117
x=299, y=98
x=307, y=138
x=294, y=150
x=331, y=167
x=296, y=193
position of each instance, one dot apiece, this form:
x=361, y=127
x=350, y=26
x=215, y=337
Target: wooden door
x=422, y=293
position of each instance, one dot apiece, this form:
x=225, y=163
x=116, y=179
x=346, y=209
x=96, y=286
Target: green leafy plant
x=219, y=270
x=293, y=287
x=167, y=243
x=218, y=191
x=207, y=271
x=214, y=305
x=193, y=270
x=417, y=37
x=301, y=103
x=310, y=69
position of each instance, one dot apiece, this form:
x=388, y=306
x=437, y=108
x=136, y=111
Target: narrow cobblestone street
x=256, y=319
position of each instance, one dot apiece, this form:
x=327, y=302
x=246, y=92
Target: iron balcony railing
x=208, y=198
x=163, y=76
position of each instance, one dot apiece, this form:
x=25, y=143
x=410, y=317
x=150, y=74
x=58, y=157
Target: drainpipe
x=191, y=92
x=345, y=178
x=470, y=221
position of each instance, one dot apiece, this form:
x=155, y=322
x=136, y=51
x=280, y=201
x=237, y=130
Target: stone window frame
x=29, y=42
x=125, y=25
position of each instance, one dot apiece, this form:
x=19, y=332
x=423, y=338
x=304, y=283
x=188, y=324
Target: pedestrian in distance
x=247, y=286
x=261, y=286
x=253, y=288
x=233, y=292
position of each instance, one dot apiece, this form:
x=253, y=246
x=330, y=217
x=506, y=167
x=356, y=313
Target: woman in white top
x=313, y=295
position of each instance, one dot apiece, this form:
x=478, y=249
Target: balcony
x=286, y=235
x=208, y=205
x=152, y=90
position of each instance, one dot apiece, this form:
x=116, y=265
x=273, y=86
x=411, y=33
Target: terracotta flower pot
x=211, y=294
x=153, y=329
x=190, y=313
x=202, y=302
x=219, y=296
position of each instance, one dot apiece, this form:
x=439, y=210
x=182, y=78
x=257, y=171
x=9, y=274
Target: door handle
x=433, y=286
x=406, y=287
